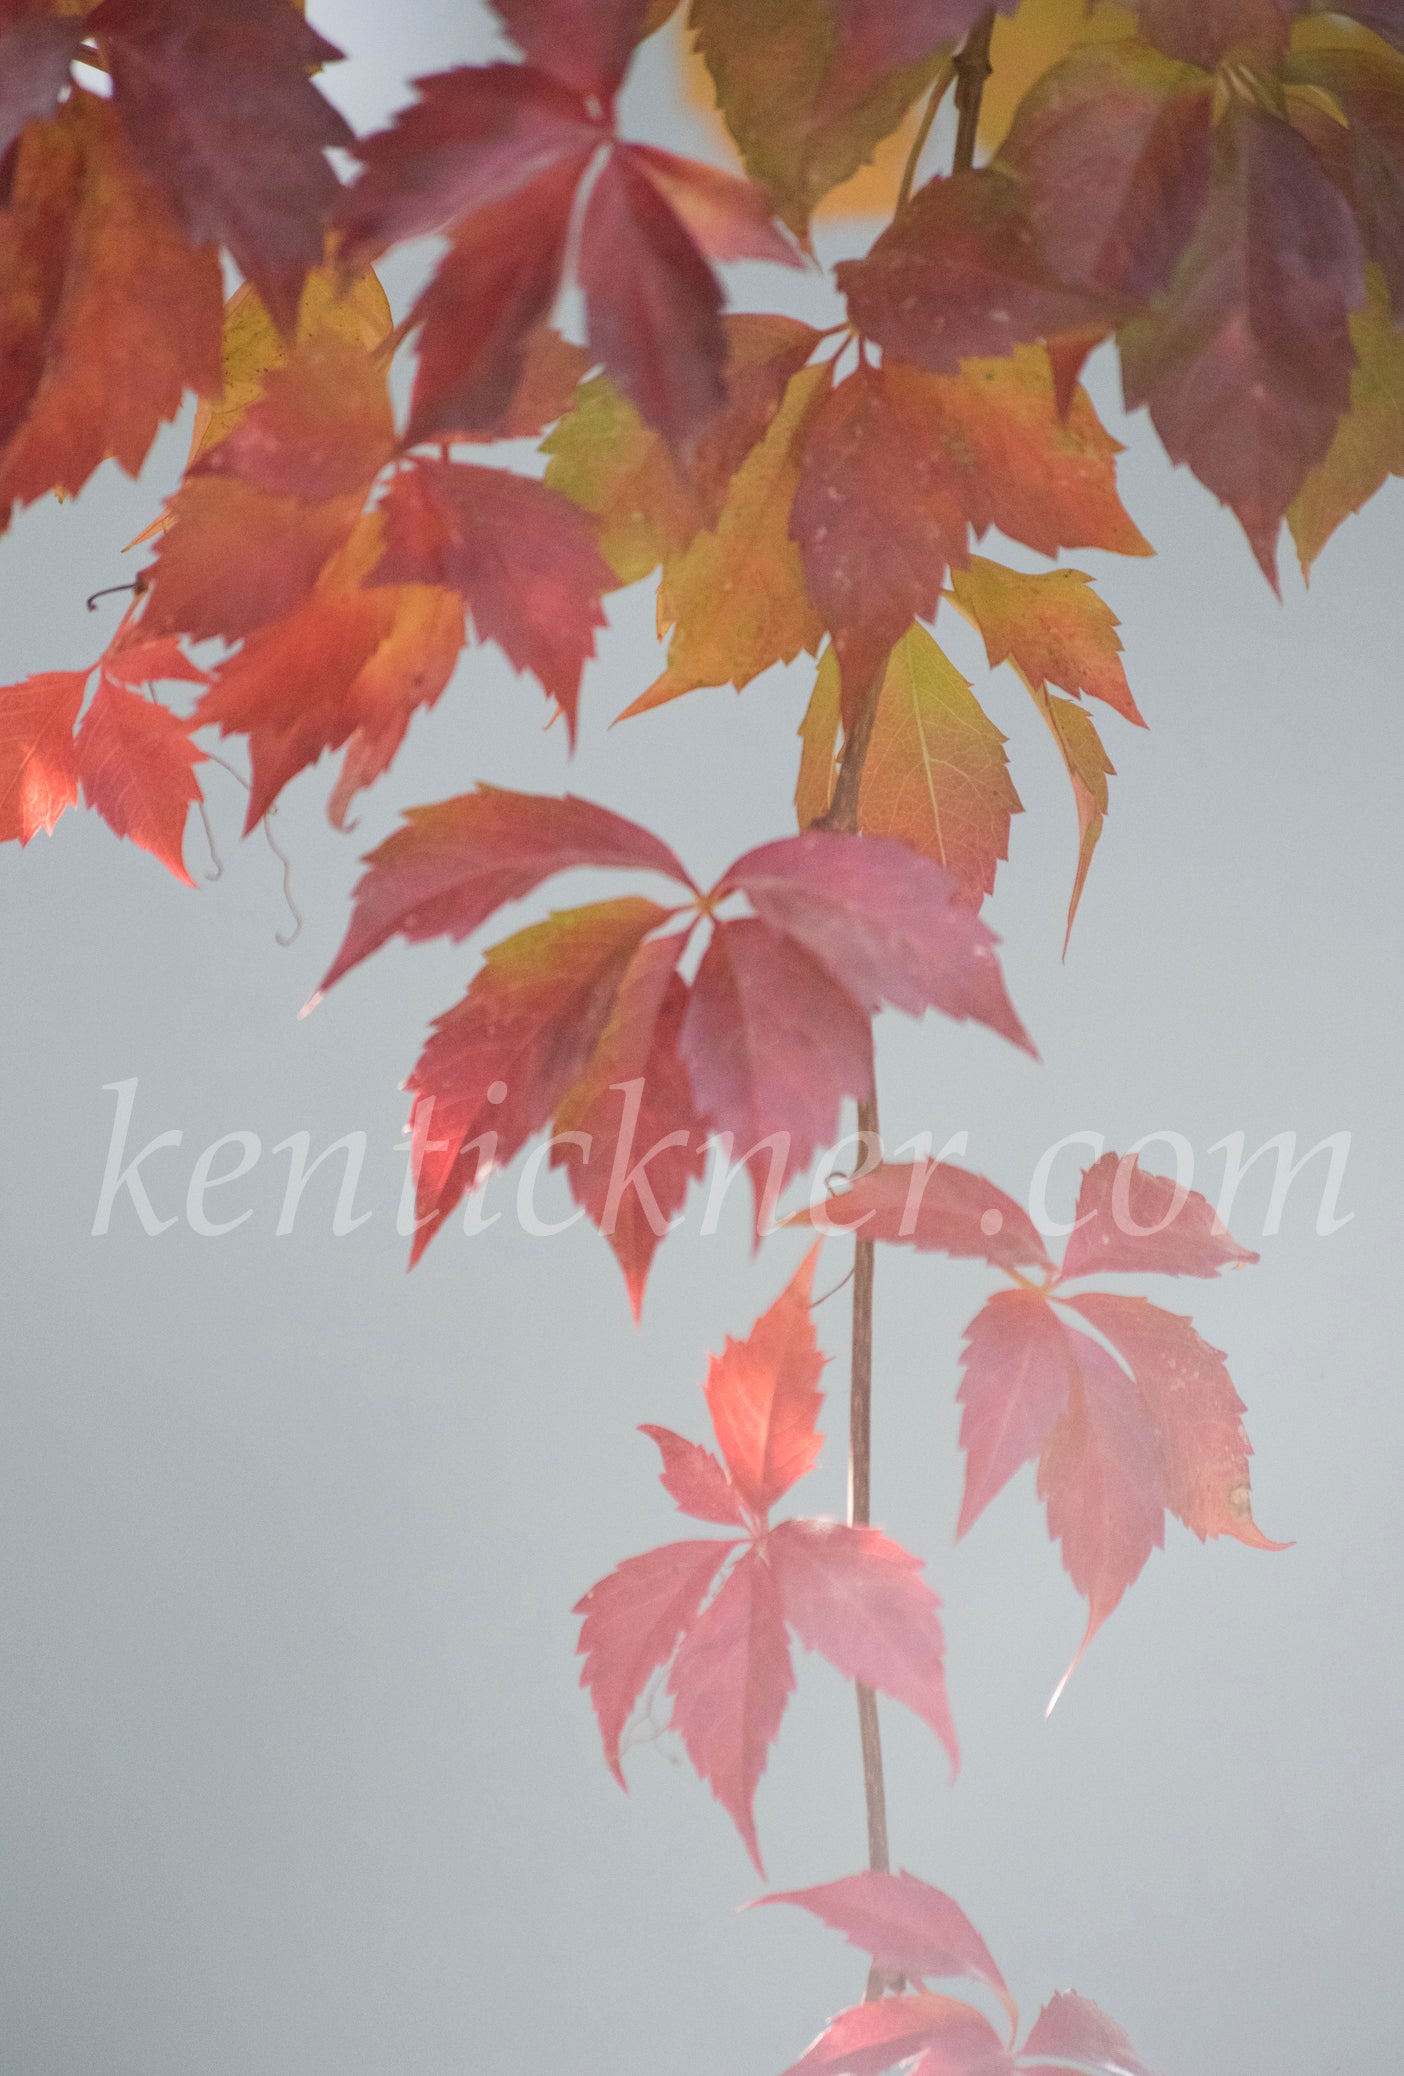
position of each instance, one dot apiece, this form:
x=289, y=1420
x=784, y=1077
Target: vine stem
x=972, y=69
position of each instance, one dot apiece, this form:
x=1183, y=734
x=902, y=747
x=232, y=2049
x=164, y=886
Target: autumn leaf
x=936, y=776
x=905, y=1925
x=136, y=763
x=586, y=44
x=454, y=864
x=933, y=1206
x=1367, y=157
x=848, y=1593
x=1204, y=31
x=1088, y=767
x=1137, y=1223
x=1071, y=2029
x=735, y=599
x=521, y=556
x=1018, y=1371
x=106, y=315
x=802, y=118
x=1368, y=446
x=36, y=50
x=38, y=761
x=644, y=1142
x=951, y=2039
x=216, y=98
x=1246, y=369
x=1051, y=626
x=499, y=1062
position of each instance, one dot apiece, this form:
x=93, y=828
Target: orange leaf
x=38, y=761
x=136, y=762
x=1052, y=626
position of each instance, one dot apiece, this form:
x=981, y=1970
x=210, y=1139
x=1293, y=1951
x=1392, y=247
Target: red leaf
x=885, y=922
x=772, y=1045
x=764, y=1398
x=633, y=1620
x=1247, y=368
x=729, y=1683
x=1113, y=150
x=857, y=1599
x=652, y=304
x=522, y=557
x=473, y=137
x=1071, y=2028
x=323, y=427
x=345, y=667
x=693, y=1477
x=136, y=762
x=35, y=53
x=1019, y=1365
x=1104, y=1482
x=454, y=864
x=958, y=274
x=1196, y=1412
x=908, y=1927
x=497, y=283
x=38, y=760
x=134, y=658
x=634, y=1104
x=236, y=559
x=878, y=36
x=586, y=44
x=500, y=1061
x=1131, y=1221
x=216, y=98
x=936, y=1208
x=727, y=218
x=863, y=2041
x=1204, y=31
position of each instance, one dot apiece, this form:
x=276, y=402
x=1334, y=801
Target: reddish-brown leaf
x=764, y=1398
x=772, y=1045
x=953, y=2038
x=883, y=920
x=106, y=314
x=727, y=218
x=1051, y=626
x=1132, y=1221
x=1204, y=31
x=322, y=429
x=936, y=1208
x=692, y=1476
x=217, y=100
x=1103, y=1480
x=730, y=1682
x=1246, y=369
x=38, y=760
x=1018, y=1369
x=235, y=559
x=454, y=864
x=959, y=274
x=1112, y=148
x=490, y=296
x=136, y=763
x=858, y=1599
x=936, y=776
x=586, y=44
x=36, y=50
x=1071, y=2029
x=499, y=1062
x=908, y=1927
x=633, y=1103
x=633, y=1620
x=1195, y=1409
x=522, y=557
x=1369, y=442
x=652, y=304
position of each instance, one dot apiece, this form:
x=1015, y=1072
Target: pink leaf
x=936, y=1208
x=857, y=1599
x=729, y=219
x=1130, y=1220
x=586, y=44
x=693, y=1477
x=869, y=2038
x=1071, y=2028
x=633, y=1620
x=764, y=1398
x=1019, y=1363
x=729, y=1684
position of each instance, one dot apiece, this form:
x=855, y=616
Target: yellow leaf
x=1089, y=768
x=1052, y=626
x=1369, y=442
x=936, y=775
x=605, y=459
x=818, y=733
x=736, y=600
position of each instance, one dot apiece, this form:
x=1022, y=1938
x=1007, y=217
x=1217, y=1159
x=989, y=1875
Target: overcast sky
x=297, y=1778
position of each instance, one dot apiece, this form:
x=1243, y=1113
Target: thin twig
x=972, y=64
x=842, y=1284
x=109, y=591
x=940, y=86
x=215, y=858
x=294, y=911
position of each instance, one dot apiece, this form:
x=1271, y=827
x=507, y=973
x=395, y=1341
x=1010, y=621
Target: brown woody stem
x=972, y=67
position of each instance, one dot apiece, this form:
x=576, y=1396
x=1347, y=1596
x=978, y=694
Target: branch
x=937, y=95
x=972, y=66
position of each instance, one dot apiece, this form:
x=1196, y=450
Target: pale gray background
x=297, y=1779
